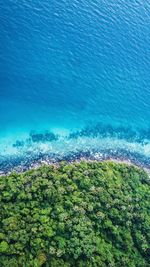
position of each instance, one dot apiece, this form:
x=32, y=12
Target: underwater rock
x=100, y=130
x=18, y=144
x=43, y=137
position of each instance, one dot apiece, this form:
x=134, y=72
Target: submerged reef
x=127, y=133
x=43, y=137
x=80, y=214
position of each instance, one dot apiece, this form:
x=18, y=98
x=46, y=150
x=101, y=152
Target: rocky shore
x=22, y=164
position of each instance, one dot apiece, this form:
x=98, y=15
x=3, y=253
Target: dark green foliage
x=77, y=215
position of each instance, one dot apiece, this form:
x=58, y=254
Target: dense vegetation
x=75, y=215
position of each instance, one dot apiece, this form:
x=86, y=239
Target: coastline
x=49, y=161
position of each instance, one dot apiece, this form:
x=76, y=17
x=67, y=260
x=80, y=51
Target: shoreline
x=55, y=162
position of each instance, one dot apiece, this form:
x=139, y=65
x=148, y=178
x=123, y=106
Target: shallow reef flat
x=91, y=143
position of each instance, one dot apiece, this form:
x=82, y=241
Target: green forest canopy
x=81, y=214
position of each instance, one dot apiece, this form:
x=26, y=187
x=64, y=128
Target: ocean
x=74, y=81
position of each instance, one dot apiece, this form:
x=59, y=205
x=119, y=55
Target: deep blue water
x=79, y=70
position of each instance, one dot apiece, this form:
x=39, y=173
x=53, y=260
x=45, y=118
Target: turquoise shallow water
x=74, y=80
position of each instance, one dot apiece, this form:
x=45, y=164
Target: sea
x=74, y=81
